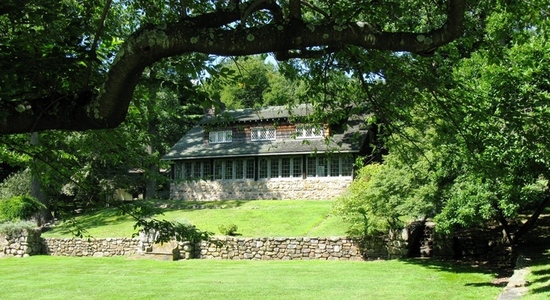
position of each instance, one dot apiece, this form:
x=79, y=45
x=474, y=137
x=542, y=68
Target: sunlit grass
x=260, y=218
x=46, y=277
x=538, y=281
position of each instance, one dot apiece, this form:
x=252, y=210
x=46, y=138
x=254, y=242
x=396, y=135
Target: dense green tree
x=74, y=65
x=243, y=82
x=466, y=127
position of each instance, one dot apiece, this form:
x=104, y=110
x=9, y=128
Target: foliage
x=383, y=197
x=87, y=57
x=465, y=125
x=245, y=82
x=165, y=231
x=230, y=229
x=12, y=228
x=19, y=208
x=18, y=183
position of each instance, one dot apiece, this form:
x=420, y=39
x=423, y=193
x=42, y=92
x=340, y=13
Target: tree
x=470, y=136
x=249, y=81
x=83, y=78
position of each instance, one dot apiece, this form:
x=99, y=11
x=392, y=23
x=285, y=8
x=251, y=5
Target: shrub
x=230, y=229
x=16, y=184
x=19, y=208
x=376, y=200
x=12, y=228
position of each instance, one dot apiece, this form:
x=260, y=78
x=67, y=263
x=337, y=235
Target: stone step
x=161, y=255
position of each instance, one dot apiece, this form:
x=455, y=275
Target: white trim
x=309, y=131
x=220, y=136
x=263, y=133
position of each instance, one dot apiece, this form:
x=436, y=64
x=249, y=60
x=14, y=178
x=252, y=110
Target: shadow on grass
x=501, y=275
x=111, y=216
x=170, y=205
x=90, y=220
x=538, y=259
x=536, y=250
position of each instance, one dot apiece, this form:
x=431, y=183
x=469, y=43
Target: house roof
x=192, y=145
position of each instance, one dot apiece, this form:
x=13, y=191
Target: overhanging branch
x=207, y=34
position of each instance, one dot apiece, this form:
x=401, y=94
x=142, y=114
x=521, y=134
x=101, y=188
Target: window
x=218, y=170
x=263, y=166
x=309, y=131
x=228, y=172
x=232, y=169
x=280, y=167
x=333, y=166
x=192, y=170
x=262, y=134
x=223, y=136
x=249, y=168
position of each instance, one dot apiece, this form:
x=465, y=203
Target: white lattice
x=308, y=131
x=263, y=134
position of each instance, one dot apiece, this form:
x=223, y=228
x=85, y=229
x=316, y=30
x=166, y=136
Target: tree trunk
x=45, y=214
x=151, y=187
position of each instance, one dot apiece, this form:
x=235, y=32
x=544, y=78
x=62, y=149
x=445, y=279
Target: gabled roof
x=192, y=145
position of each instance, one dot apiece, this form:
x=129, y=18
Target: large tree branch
x=148, y=45
x=531, y=221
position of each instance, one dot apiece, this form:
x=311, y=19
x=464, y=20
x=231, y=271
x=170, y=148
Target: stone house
x=267, y=153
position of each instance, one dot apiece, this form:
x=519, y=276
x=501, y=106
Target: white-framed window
x=221, y=136
x=262, y=133
x=329, y=166
x=309, y=131
x=232, y=169
x=192, y=170
x=279, y=167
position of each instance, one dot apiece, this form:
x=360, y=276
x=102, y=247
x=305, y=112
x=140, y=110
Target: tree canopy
x=468, y=145
x=74, y=65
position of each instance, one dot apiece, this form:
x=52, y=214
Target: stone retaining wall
x=283, y=188
x=91, y=247
x=21, y=244
x=478, y=245
x=336, y=248
x=234, y=248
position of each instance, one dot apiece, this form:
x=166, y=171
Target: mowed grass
x=47, y=277
x=258, y=218
x=538, y=280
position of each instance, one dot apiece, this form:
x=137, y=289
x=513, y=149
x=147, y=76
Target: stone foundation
x=322, y=188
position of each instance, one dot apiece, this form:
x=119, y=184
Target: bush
x=230, y=229
x=16, y=184
x=375, y=202
x=12, y=228
x=19, y=208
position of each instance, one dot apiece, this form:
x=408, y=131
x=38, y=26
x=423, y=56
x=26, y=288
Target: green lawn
x=260, y=218
x=46, y=277
x=539, y=278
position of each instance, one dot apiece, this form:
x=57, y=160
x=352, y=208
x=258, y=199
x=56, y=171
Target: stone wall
x=234, y=248
x=321, y=188
x=21, y=243
x=306, y=248
x=91, y=247
x=477, y=245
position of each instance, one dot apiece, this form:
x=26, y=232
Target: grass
x=539, y=277
x=47, y=277
x=261, y=218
